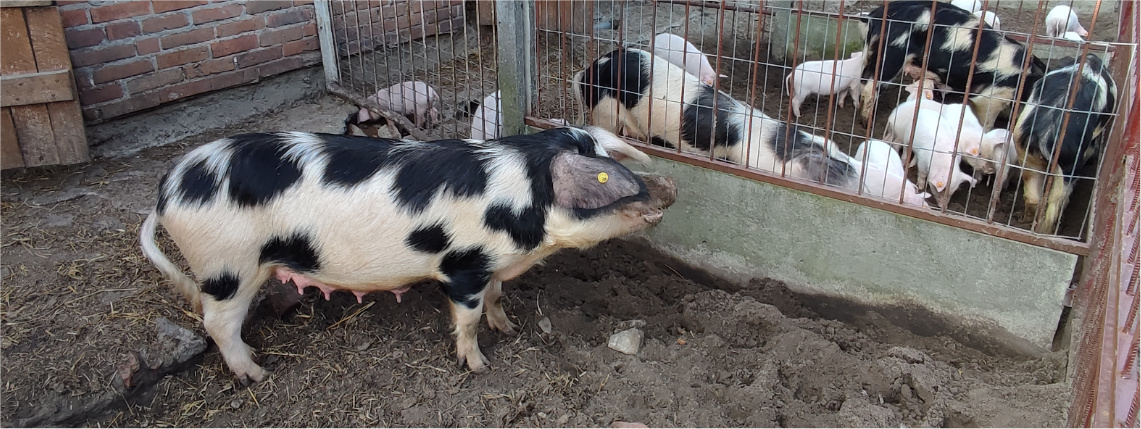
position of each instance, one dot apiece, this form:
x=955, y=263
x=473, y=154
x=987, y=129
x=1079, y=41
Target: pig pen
x=93, y=335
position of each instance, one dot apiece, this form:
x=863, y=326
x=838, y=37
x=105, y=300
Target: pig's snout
x=663, y=191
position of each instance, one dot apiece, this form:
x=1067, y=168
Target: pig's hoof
x=475, y=360
x=497, y=320
x=1028, y=212
x=254, y=375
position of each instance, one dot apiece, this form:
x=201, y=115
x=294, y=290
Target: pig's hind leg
x=496, y=317
x=225, y=300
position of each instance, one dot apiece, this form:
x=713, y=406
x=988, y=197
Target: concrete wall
x=980, y=285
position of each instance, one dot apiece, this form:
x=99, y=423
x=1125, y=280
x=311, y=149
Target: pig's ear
x=615, y=147
x=582, y=182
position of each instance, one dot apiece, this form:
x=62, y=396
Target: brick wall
x=362, y=26
x=134, y=55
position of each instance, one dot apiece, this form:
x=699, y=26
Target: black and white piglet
x=366, y=215
x=653, y=99
x=994, y=81
x=1041, y=123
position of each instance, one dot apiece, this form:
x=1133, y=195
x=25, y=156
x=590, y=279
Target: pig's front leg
x=496, y=317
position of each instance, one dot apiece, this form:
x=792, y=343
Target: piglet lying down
x=366, y=215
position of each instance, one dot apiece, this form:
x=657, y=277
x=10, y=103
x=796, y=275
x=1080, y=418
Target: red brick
x=279, y=36
x=232, y=79
x=256, y=7
x=215, y=14
x=83, y=38
x=279, y=66
x=113, y=109
x=302, y=2
x=311, y=29
x=206, y=68
x=241, y=26
x=278, y=19
x=69, y=2
x=187, y=38
x=72, y=18
x=183, y=90
x=259, y=56
x=165, y=22
x=100, y=94
x=120, y=10
x=169, y=5
x=154, y=80
x=180, y=57
x=147, y=46
x=102, y=55
x=119, y=71
x=123, y=30
x=235, y=45
x=298, y=46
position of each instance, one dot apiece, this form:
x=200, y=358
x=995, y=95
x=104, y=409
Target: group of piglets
x=940, y=135
x=360, y=215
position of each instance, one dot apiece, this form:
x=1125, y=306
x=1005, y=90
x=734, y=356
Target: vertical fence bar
x=515, y=33
x=325, y=37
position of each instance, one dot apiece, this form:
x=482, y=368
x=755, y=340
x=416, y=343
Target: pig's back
x=373, y=213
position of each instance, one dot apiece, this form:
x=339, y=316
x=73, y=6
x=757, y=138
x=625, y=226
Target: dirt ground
x=78, y=300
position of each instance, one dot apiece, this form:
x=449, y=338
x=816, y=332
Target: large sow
x=365, y=215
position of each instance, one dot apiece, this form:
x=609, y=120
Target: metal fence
x=754, y=48
x=515, y=61
x=463, y=52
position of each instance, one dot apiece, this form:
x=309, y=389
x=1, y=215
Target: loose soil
x=78, y=298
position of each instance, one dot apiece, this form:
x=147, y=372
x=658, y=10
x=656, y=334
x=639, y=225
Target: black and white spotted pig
x=656, y=100
x=1041, y=122
x=996, y=74
x=365, y=215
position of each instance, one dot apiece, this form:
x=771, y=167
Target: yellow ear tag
x=602, y=177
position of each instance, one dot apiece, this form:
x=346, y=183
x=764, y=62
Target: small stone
x=628, y=341
x=909, y=355
x=905, y=392
x=175, y=345
x=236, y=403
x=542, y=415
x=562, y=420
x=621, y=424
x=545, y=325
x=363, y=346
x=58, y=220
x=627, y=324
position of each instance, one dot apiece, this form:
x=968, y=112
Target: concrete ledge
x=740, y=229
x=229, y=107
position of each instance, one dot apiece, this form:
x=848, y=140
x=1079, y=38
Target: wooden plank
x=52, y=55
x=10, y=156
x=36, y=88
x=70, y=136
x=24, y=3
x=47, y=38
x=34, y=131
x=14, y=43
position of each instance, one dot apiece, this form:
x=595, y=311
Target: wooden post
x=515, y=32
x=325, y=38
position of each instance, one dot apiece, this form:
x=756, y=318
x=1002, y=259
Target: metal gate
x=531, y=52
